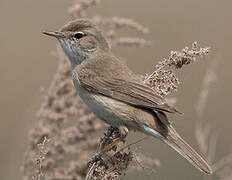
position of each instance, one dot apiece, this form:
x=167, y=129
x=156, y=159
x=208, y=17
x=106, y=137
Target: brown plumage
x=114, y=93
x=117, y=81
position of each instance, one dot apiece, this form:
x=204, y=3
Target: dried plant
x=80, y=6
x=40, y=158
x=112, y=163
x=115, y=23
x=115, y=161
x=203, y=129
x=163, y=80
x=59, y=104
x=206, y=136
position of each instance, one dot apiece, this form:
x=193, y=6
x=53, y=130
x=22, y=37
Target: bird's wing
x=117, y=82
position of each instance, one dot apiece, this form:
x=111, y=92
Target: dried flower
x=40, y=158
x=163, y=80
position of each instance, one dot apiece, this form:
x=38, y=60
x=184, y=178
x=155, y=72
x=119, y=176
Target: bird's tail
x=174, y=140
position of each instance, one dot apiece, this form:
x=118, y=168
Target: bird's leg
x=123, y=132
x=112, y=137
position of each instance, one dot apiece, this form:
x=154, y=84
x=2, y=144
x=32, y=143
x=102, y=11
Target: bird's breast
x=106, y=108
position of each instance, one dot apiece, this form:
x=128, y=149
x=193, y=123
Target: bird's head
x=80, y=40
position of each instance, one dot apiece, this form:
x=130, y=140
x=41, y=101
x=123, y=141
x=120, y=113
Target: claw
x=98, y=158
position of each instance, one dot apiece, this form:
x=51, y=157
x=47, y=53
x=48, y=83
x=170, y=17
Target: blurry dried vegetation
x=68, y=124
x=71, y=128
x=206, y=136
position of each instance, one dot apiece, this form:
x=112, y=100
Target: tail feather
x=174, y=140
x=177, y=143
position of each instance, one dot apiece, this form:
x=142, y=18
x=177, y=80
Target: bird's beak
x=54, y=34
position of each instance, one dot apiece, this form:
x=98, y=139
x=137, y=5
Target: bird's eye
x=79, y=35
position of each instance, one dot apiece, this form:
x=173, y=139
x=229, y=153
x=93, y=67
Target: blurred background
x=27, y=64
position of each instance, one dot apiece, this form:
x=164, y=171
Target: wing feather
x=124, y=86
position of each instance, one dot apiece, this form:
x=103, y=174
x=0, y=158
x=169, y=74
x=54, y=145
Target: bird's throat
x=75, y=54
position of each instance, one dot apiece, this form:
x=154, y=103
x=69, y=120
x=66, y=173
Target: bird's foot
x=97, y=158
x=109, y=142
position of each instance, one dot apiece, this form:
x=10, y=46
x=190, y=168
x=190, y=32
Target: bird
x=114, y=93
